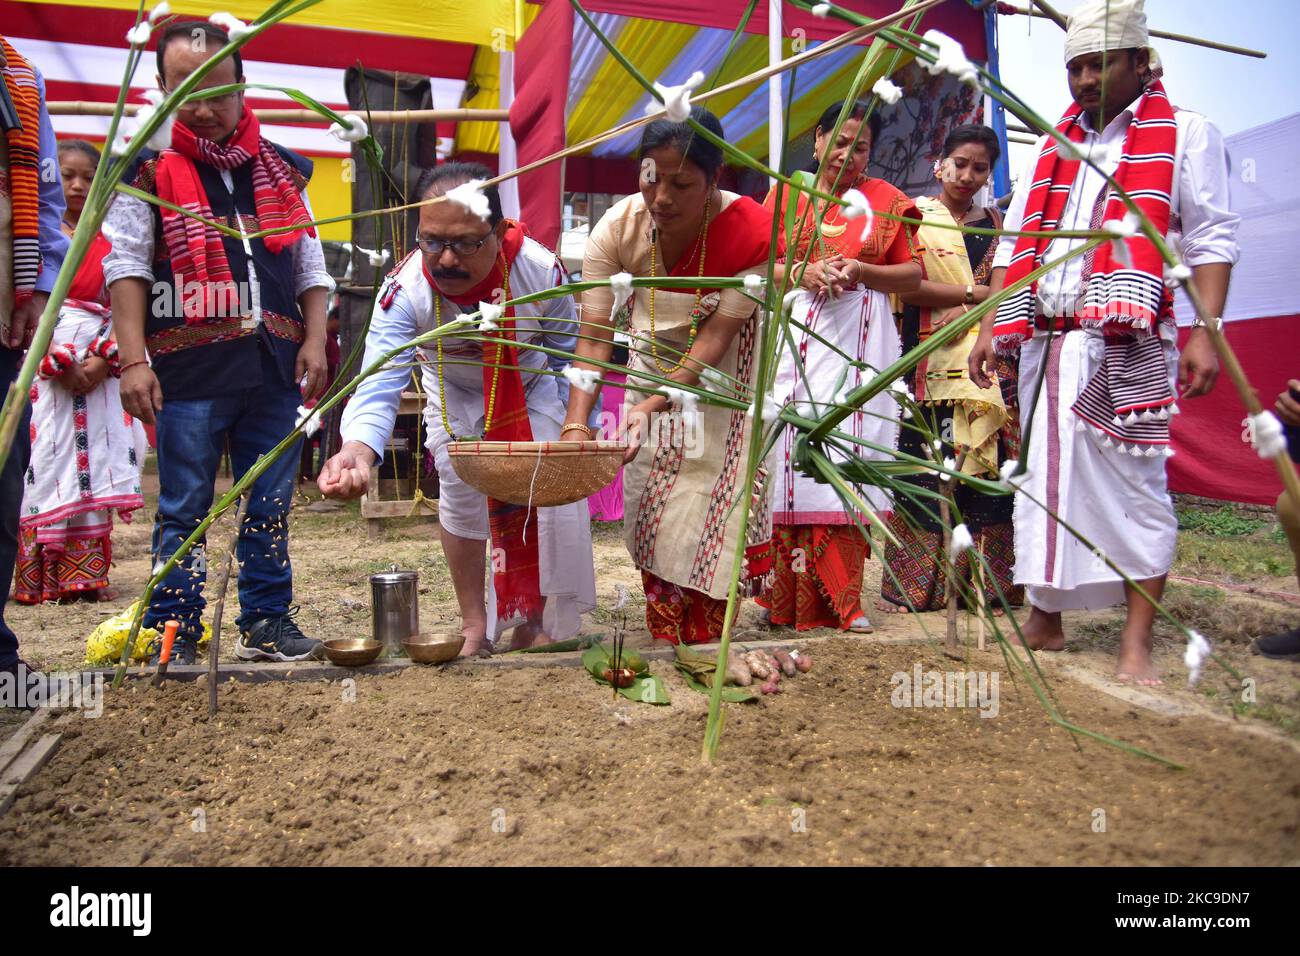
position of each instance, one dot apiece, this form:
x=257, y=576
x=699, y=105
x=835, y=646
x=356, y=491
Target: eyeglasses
x=462, y=247
x=215, y=103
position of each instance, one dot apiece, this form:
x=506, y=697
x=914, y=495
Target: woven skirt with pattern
x=47, y=572
x=818, y=579
x=681, y=615
x=921, y=567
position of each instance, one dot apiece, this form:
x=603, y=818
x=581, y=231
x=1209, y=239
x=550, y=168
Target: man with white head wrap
x=1098, y=330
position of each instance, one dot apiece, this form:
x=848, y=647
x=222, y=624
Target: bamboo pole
x=461, y=115
x=1048, y=12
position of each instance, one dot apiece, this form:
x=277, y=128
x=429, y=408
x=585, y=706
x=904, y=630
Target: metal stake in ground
x=214, y=649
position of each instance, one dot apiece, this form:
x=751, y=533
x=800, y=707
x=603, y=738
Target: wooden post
x=218, y=610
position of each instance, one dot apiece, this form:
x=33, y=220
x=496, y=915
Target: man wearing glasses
x=543, y=579
x=220, y=339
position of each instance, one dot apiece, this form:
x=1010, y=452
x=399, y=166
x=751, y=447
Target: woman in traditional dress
x=978, y=426
x=852, y=264
x=85, y=461
x=679, y=490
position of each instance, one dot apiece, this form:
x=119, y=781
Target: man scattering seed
x=543, y=577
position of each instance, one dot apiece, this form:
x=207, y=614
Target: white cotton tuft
x=139, y=34
x=676, y=99
x=586, y=379
x=888, y=91
x=354, y=132
x=376, y=257
x=754, y=285
x=822, y=10
x=308, y=420
x=688, y=402
x=154, y=97
x=159, y=11
x=787, y=303
x=950, y=464
x=1125, y=228
x=1266, y=435
x=489, y=314
x=960, y=542
x=858, y=207
x=771, y=409
x=1176, y=276
x=470, y=195
x=162, y=137
x=1009, y=479
x=236, y=28
x=1198, y=649
x=621, y=284
x=119, y=145
x=950, y=58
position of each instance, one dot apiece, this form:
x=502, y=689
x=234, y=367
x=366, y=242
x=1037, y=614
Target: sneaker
x=9, y=695
x=1280, y=647
x=277, y=639
x=185, y=650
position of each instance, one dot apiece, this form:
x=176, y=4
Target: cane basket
x=540, y=473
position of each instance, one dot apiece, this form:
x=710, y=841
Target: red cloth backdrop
x=1211, y=456
x=542, y=59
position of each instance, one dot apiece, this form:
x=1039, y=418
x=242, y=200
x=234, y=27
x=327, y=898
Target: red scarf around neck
x=516, y=573
x=198, y=257
x=1121, y=299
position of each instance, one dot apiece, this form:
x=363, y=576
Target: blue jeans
x=191, y=436
x=11, y=500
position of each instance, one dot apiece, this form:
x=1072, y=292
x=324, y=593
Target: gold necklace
x=702, y=242
x=496, y=370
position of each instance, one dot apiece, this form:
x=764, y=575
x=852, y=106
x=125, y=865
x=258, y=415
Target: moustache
x=448, y=274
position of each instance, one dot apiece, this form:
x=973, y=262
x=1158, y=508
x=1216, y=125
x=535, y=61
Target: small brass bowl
x=352, y=651
x=433, y=648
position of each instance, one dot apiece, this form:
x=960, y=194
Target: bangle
x=572, y=426
x=1199, y=323
x=123, y=368
x=970, y=295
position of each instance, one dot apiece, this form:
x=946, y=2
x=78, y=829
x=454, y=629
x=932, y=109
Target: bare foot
x=104, y=594
x=528, y=635
x=1134, y=665
x=476, y=642
x=889, y=607
x=1043, y=632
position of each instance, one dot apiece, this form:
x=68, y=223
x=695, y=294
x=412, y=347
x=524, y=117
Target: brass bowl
x=433, y=648
x=351, y=651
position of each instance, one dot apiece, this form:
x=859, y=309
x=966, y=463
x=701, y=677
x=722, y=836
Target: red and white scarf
x=198, y=257
x=24, y=168
x=517, y=578
x=1129, y=398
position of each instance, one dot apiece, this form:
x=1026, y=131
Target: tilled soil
x=478, y=765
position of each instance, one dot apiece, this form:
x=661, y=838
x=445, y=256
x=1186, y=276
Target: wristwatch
x=970, y=295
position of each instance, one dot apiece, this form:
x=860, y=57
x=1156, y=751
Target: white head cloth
x=1101, y=25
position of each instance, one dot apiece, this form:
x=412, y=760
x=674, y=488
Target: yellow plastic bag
x=104, y=646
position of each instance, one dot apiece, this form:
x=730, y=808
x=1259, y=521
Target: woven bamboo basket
x=540, y=473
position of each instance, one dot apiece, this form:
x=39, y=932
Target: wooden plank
x=25, y=767
x=398, y=509
x=32, y=759
x=12, y=747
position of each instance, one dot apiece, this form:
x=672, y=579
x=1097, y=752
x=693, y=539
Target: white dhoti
x=1118, y=504
x=565, y=571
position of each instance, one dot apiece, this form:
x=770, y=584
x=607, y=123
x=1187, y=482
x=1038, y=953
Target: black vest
x=219, y=355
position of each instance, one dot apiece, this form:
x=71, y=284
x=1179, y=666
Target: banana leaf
x=646, y=689
x=572, y=644
x=698, y=671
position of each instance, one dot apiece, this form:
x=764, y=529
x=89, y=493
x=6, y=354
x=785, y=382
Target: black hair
x=858, y=111
x=186, y=29
x=79, y=146
x=680, y=136
x=453, y=174
x=973, y=133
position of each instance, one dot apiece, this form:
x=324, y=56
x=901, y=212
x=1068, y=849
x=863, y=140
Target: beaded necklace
x=496, y=369
x=702, y=242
